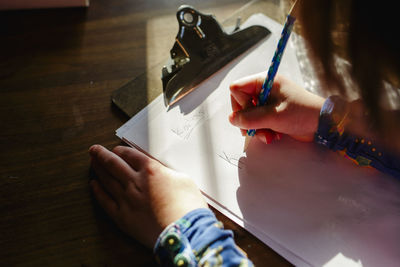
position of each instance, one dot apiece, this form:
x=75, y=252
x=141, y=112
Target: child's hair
x=362, y=32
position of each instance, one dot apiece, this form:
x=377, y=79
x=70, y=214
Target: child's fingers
x=245, y=89
x=240, y=100
x=235, y=105
x=250, y=85
x=278, y=136
x=116, y=166
x=108, y=204
x=268, y=136
x=265, y=135
x=112, y=186
x=255, y=118
x=132, y=156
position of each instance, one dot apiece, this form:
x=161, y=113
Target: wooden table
x=58, y=69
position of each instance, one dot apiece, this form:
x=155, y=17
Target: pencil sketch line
x=233, y=161
x=188, y=125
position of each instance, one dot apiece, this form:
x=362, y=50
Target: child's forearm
x=335, y=119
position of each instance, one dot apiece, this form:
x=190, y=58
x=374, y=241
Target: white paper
x=309, y=204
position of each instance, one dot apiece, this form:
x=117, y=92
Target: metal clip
x=201, y=48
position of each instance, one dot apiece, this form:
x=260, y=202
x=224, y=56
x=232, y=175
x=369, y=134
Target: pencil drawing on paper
x=188, y=124
x=231, y=160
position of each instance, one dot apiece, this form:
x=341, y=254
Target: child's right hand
x=290, y=110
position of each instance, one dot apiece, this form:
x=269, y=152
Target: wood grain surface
x=58, y=68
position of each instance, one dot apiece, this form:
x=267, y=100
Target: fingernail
x=92, y=150
x=232, y=118
x=269, y=138
x=267, y=141
x=263, y=137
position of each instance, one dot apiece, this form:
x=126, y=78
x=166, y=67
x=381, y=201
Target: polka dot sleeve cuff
x=198, y=239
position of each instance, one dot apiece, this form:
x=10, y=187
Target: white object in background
x=30, y=4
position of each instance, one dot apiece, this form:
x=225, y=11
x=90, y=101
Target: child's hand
x=139, y=194
x=290, y=109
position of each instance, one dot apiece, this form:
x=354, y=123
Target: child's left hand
x=140, y=194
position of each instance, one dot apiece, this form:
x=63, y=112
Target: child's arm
x=145, y=198
x=306, y=117
x=343, y=127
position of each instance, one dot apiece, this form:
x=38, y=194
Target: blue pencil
x=273, y=69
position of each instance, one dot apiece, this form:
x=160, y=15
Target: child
x=164, y=209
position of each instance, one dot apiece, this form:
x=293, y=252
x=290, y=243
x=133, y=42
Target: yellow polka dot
x=171, y=241
x=180, y=262
x=362, y=141
x=373, y=149
x=369, y=143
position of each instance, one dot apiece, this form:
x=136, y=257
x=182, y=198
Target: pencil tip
x=246, y=142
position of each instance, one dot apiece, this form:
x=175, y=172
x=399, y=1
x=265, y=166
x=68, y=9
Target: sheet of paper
x=309, y=204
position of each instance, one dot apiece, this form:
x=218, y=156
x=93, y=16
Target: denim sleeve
x=332, y=134
x=198, y=239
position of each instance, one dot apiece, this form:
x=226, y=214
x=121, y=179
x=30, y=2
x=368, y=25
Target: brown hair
x=364, y=33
